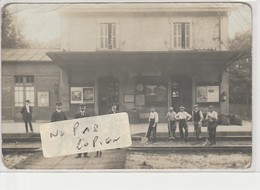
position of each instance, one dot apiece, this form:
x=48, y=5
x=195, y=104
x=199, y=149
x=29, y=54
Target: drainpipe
x=219, y=31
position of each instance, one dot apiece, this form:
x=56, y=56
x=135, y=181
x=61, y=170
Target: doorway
x=108, y=93
x=181, y=93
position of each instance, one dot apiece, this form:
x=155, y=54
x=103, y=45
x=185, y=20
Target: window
x=181, y=38
x=23, y=90
x=108, y=36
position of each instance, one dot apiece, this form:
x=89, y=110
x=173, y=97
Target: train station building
x=135, y=56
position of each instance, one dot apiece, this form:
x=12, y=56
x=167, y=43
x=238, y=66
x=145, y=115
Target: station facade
x=135, y=56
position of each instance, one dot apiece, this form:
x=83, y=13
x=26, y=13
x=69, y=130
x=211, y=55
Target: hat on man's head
x=58, y=104
x=182, y=107
x=27, y=101
x=82, y=105
x=196, y=105
x=113, y=104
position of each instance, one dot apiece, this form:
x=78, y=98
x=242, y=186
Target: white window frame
x=24, y=91
x=179, y=21
x=108, y=21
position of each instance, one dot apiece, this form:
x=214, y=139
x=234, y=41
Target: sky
x=41, y=23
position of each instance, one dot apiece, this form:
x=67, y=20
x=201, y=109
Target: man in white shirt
x=183, y=117
x=171, y=123
x=212, y=117
x=153, y=120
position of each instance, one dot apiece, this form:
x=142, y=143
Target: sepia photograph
x=127, y=86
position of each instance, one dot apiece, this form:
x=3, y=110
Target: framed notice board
x=207, y=94
x=43, y=99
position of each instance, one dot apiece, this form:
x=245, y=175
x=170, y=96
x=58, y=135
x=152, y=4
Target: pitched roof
x=26, y=54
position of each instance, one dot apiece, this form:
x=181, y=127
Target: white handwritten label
x=85, y=135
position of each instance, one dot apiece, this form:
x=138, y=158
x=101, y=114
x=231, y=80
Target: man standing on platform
x=183, y=117
x=212, y=117
x=81, y=114
x=171, y=123
x=153, y=120
x=197, y=120
x=58, y=115
x=27, y=115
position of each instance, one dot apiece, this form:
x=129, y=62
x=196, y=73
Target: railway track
x=25, y=150
x=154, y=149
x=225, y=148
x=134, y=138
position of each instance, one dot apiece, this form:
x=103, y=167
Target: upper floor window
x=181, y=35
x=108, y=36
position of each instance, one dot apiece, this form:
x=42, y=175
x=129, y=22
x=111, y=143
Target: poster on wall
x=76, y=95
x=88, y=95
x=207, y=94
x=43, y=99
x=139, y=100
x=129, y=98
x=156, y=94
x=213, y=93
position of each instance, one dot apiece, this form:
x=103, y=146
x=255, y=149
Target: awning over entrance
x=212, y=57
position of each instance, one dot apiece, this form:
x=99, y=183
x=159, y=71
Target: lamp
x=223, y=96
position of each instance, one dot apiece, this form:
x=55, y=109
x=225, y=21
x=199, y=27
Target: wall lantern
x=223, y=96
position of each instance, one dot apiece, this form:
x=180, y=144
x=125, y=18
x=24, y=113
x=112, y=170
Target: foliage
x=241, y=71
x=10, y=37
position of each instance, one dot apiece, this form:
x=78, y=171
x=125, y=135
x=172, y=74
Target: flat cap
x=83, y=105
x=182, y=107
x=58, y=104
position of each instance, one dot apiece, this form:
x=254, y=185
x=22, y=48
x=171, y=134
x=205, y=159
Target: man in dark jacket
x=27, y=115
x=58, y=115
x=81, y=114
x=113, y=109
x=197, y=117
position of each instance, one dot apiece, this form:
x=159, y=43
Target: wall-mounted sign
x=129, y=98
x=88, y=95
x=43, y=99
x=140, y=100
x=81, y=95
x=207, y=94
x=155, y=94
x=76, y=95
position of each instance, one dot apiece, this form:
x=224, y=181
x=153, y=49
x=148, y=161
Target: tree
x=10, y=37
x=241, y=71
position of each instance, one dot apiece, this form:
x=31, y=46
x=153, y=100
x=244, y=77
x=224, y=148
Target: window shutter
x=187, y=35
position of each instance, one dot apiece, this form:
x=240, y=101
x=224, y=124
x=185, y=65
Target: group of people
x=172, y=118
x=182, y=117
x=59, y=115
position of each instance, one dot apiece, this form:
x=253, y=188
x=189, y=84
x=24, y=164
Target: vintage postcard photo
x=132, y=86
